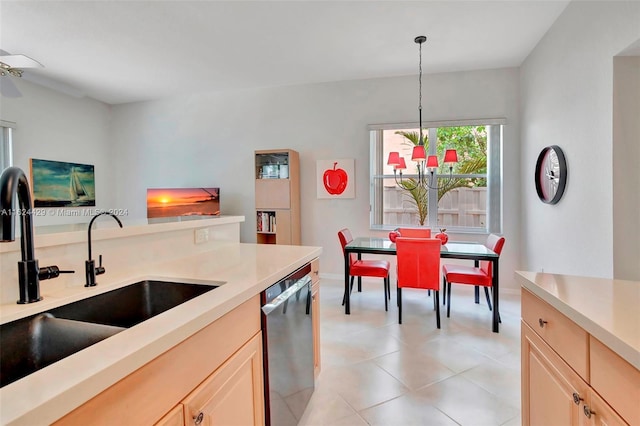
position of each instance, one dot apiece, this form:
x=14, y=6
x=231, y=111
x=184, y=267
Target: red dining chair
x=365, y=268
x=476, y=276
x=418, y=267
x=415, y=232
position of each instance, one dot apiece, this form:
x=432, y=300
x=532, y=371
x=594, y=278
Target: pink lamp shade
x=451, y=156
x=394, y=159
x=402, y=165
x=418, y=153
x=432, y=162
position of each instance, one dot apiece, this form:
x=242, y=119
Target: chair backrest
x=415, y=232
x=495, y=244
x=418, y=262
x=344, y=235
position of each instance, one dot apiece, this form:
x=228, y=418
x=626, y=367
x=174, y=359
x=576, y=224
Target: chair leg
x=359, y=284
x=437, y=293
x=486, y=293
x=448, y=300
x=386, y=287
x=344, y=297
x=399, y=305
x=444, y=287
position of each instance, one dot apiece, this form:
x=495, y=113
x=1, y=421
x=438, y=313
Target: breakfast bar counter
x=245, y=270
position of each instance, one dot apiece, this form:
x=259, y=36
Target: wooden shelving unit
x=277, y=174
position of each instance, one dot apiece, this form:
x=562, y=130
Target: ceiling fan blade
x=20, y=61
x=8, y=88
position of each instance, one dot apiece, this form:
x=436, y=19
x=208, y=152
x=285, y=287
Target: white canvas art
x=336, y=178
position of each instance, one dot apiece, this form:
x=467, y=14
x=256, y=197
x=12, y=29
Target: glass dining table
x=451, y=250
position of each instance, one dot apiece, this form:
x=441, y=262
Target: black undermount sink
x=32, y=343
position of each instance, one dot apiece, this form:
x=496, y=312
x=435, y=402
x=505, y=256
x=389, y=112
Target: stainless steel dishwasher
x=288, y=348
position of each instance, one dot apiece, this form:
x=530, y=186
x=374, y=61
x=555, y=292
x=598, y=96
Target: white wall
x=209, y=139
x=626, y=173
x=567, y=91
x=54, y=126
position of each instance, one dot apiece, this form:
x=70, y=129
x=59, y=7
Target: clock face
x=551, y=174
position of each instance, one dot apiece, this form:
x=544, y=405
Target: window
x=6, y=155
x=468, y=202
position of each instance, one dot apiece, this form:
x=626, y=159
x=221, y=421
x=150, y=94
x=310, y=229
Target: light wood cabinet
x=315, y=309
x=568, y=376
x=549, y=385
x=277, y=189
x=233, y=395
x=154, y=393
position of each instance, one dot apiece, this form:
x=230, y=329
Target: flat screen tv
x=174, y=202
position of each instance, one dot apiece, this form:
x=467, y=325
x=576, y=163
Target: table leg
x=496, y=293
x=347, y=293
x=359, y=278
x=476, y=289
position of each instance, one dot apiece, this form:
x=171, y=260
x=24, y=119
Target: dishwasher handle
x=269, y=307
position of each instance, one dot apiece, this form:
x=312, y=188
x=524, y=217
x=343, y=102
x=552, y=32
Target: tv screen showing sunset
x=170, y=202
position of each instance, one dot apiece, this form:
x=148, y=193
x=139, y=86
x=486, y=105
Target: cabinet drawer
x=563, y=335
x=315, y=271
x=617, y=381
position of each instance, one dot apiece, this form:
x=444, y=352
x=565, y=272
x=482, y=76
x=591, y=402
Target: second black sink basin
x=130, y=305
x=32, y=343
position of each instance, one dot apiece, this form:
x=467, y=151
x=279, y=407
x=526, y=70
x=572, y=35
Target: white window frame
x=6, y=147
x=495, y=135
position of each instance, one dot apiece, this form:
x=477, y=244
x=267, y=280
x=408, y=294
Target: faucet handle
x=100, y=269
x=49, y=272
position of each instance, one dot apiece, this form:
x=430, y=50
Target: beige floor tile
x=498, y=379
x=516, y=421
x=326, y=407
x=467, y=403
x=414, y=368
x=363, y=385
x=406, y=410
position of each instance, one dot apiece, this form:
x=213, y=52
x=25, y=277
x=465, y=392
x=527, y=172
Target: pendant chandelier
x=426, y=165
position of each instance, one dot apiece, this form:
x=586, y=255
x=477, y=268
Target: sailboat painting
x=61, y=184
x=172, y=202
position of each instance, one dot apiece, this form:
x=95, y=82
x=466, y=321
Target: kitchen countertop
x=607, y=309
x=246, y=269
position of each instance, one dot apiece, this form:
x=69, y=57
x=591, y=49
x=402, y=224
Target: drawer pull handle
x=588, y=412
x=541, y=322
x=576, y=398
x=198, y=419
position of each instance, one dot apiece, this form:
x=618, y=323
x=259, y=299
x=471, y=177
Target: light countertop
x=607, y=309
x=246, y=269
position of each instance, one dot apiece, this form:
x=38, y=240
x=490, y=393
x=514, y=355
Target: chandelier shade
x=419, y=153
x=451, y=156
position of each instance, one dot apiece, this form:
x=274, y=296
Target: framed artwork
x=336, y=178
x=61, y=184
x=172, y=202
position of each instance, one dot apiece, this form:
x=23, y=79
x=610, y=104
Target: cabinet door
x=174, y=417
x=273, y=194
x=315, y=319
x=552, y=393
x=600, y=413
x=233, y=394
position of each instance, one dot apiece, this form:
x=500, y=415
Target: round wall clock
x=551, y=174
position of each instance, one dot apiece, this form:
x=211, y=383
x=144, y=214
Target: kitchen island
x=246, y=270
x=580, y=350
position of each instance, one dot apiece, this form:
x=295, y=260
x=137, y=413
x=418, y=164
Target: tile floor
x=378, y=372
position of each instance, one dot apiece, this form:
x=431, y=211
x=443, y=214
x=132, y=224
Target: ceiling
x=127, y=51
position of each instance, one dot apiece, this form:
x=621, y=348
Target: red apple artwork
x=335, y=180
